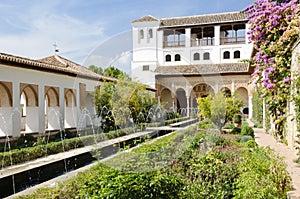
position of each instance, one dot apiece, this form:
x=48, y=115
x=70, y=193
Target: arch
x=200, y=90
x=237, y=54
x=206, y=56
x=70, y=111
x=226, y=91
x=196, y=56
x=242, y=93
x=226, y=55
x=181, y=98
x=70, y=98
x=141, y=33
x=177, y=57
x=166, y=97
x=30, y=109
x=52, y=97
x=31, y=95
x=5, y=95
x=150, y=33
x=168, y=58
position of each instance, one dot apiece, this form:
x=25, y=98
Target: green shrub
x=228, y=126
x=247, y=130
x=236, y=130
x=251, y=144
x=237, y=118
x=262, y=175
x=245, y=138
x=204, y=124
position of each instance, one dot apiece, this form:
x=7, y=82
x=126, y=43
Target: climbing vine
x=274, y=28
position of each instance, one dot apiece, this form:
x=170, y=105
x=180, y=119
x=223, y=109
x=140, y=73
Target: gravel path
x=289, y=155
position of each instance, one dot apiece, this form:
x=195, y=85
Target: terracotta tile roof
x=145, y=19
x=55, y=63
x=203, y=69
x=205, y=19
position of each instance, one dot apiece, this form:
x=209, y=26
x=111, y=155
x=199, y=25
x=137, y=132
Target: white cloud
x=44, y=26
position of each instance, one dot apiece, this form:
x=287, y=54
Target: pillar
x=187, y=105
x=188, y=37
x=62, y=107
x=41, y=108
x=217, y=35
x=250, y=107
x=232, y=87
x=16, y=112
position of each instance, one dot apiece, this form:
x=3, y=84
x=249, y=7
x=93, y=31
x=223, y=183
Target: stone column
x=188, y=105
x=16, y=112
x=217, y=35
x=188, y=37
x=250, y=107
x=62, y=107
x=41, y=108
x=232, y=87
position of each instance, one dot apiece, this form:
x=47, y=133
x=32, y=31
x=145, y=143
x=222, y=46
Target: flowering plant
x=274, y=28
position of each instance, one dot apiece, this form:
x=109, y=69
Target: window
x=237, y=54
x=145, y=67
x=177, y=57
x=141, y=34
x=196, y=56
x=226, y=55
x=168, y=58
x=206, y=56
x=150, y=33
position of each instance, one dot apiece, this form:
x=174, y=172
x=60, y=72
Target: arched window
x=237, y=54
x=168, y=58
x=150, y=33
x=177, y=57
x=196, y=56
x=141, y=34
x=226, y=55
x=206, y=56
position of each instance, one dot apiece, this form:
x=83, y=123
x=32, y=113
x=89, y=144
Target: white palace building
x=189, y=57
x=37, y=96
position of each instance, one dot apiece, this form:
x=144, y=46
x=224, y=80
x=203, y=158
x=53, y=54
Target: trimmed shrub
x=228, y=126
x=247, y=130
x=245, y=138
x=251, y=144
x=236, y=130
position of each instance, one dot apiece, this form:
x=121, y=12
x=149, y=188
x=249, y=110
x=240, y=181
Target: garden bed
x=185, y=164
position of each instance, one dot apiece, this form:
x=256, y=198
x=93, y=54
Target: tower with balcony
x=189, y=57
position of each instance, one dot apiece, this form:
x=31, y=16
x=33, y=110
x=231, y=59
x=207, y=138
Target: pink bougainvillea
x=274, y=28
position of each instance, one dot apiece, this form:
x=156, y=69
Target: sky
x=89, y=31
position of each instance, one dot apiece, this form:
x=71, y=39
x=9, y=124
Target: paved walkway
x=289, y=155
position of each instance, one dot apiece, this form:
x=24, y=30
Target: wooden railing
x=180, y=43
x=232, y=40
x=203, y=42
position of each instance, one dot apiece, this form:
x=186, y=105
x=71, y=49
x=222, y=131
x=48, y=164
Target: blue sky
x=84, y=27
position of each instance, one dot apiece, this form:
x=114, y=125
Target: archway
x=242, y=93
x=29, y=108
x=181, y=101
x=226, y=91
x=52, y=112
x=70, y=108
x=5, y=108
x=200, y=90
x=166, y=98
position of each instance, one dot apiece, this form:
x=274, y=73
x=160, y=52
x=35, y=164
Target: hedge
x=22, y=155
